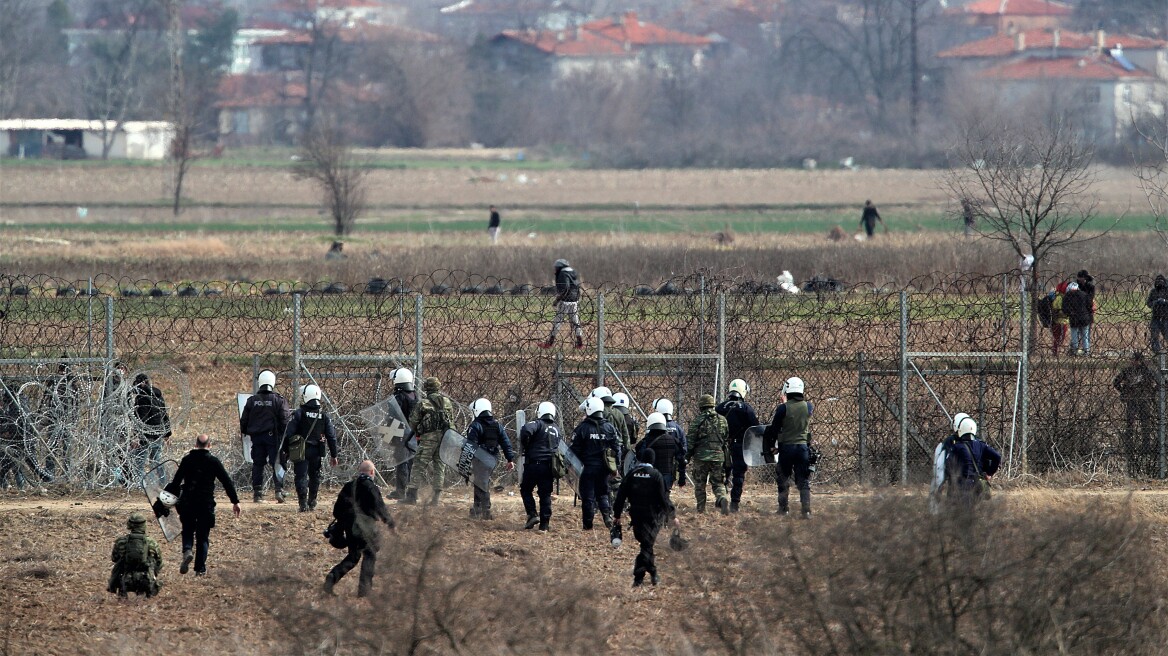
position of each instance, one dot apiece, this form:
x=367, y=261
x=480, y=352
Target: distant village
x=721, y=82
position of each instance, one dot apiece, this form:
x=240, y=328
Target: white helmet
x=602, y=393
x=403, y=377
x=267, y=379
x=480, y=407
x=546, y=408
x=167, y=498
x=739, y=386
x=655, y=421
x=957, y=420
x=967, y=427
x=592, y=406
x=310, y=393
x=793, y=385
x=621, y=400
x=664, y=406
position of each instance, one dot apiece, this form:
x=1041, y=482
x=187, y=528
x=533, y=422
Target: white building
x=80, y=139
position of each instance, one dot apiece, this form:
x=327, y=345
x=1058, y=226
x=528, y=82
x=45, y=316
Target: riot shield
x=752, y=446
x=629, y=463
x=470, y=461
x=152, y=484
x=395, y=440
x=573, y=465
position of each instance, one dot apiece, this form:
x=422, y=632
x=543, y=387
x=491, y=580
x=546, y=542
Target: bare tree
x=328, y=161
x=1153, y=176
x=1029, y=184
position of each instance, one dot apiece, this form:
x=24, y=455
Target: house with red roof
x=1011, y=15
x=1144, y=52
x=613, y=45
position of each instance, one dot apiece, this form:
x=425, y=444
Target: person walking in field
x=709, y=449
x=493, y=225
x=567, y=303
x=308, y=433
x=645, y=493
x=539, y=440
x=740, y=416
x=265, y=418
x=1158, y=303
x=788, y=437
x=358, y=509
x=194, y=485
x=486, y=433
x=1060, y=324
x=431, y=418
x=870, y=218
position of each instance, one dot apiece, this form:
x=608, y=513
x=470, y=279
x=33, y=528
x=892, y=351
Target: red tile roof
x=567, y=43
x=1014, y=8
x=1001, y=45
x=1064, y=68
x=605, y=38
x=262, y=90
x=627, y=29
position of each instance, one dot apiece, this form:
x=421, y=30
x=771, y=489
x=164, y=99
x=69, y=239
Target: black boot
x=733, y=506
x=302, y=500
x=411, y=497
x=805, y=503
x=532, y=520
x=312, y=501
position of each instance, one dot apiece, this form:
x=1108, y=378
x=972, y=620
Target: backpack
x=136, y=556
x=1044, y=308
x=435, y=418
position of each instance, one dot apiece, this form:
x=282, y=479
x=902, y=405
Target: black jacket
x=264, y=418
x=1158, y=300
x=1077, y=307
x=668, y=456
x=360, y=495
x=194, y=482
x=311, y=422
x=539, y=440
x=150, y=407
x=591, y=439
x=644, y=490
x=567, y=285
x=739, y=417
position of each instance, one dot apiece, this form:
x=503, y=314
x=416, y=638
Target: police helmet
x=546, y=409
x=655, y=421
x=967, y=427
x=957, y=420
x=664, y=406
x=593, y=406
x=403, y=378
x=267, y=380
x=311, y=393
x=604, y=394
x=739, y=387
x=481, y=407
x=793, y=385
x=621, y=400
x=168, y=499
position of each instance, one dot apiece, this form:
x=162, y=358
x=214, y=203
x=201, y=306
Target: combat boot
x=532, y=520
x=723, y=505
x=475, y=512
x=395, y=495
x=257, y=497
x=302, y=500
x=188, y=558
x=329, y=582
x=733, y=506
x=543, y=526
x=654, y=578
x=805, y=503
x=280, y=496
x=548, y=344
x=436, y=499
x=487, y=515
x=607, y=517
x=702, y=507
x=411, y=498
x=311, y=501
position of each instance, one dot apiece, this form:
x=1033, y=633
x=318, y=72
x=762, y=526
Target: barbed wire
x=481, y=336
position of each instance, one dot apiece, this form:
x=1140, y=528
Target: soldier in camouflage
x=137, y=561
x=709, y=449
x=430, y=419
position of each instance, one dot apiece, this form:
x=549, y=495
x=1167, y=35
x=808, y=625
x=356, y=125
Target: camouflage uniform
x=708, y=448
x=429, y=420
x=140, y=578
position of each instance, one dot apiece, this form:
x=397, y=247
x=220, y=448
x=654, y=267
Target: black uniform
x=358, y=508
x=591, y=441
x=194, y=483
x=264, y=418
x=488, y=434
x=313, y=424
x=1138, y=385
x=539, y=440
x=668, y=455
x=649, y=509
x=153, y=425
x=739, y=417
x=406, y=400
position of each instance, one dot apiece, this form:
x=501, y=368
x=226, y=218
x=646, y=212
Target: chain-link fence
x=886, y=368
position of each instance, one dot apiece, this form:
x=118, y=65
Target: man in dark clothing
x=1077, y=305
x=789, y=438
x=739, y=417
x=406, y=398
x=970, y=464
x=315, y=430
x=649, y=509
x=153, y=425
x=493, y=225
x=265, y=418
x=869, y=218
x=358, y=508
x=194, y=485
x=1138, y=385
x=596, y=444
x=1086, y=283
x=667, y=452
x=1158, y=302
x=567, y=303
x=486, y=433
x=539, y=441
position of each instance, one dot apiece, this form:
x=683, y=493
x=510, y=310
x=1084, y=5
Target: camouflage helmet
x=706, y=401
x=432, y=384
x=136, y=520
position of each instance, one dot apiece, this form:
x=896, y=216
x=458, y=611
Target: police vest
x=795, y=424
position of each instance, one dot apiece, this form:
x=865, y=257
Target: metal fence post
x=89, y=320
x=297, y=309
x=1163, y=413
x=722, y=375
x=600, y=339
x=903, y=388
x=1024, y=382
x=418, y=334
x=110, y=352
x=861, y=401
x=255, y=373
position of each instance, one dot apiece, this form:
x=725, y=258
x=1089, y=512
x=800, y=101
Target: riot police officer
x=265, y=418
x=649, y=508
x=315, y=430
x=539, y=441
x=739, y=417
x=407, y=398
x=789, y=438
x=595, y=443
x=668, y=455
x=486, y=433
